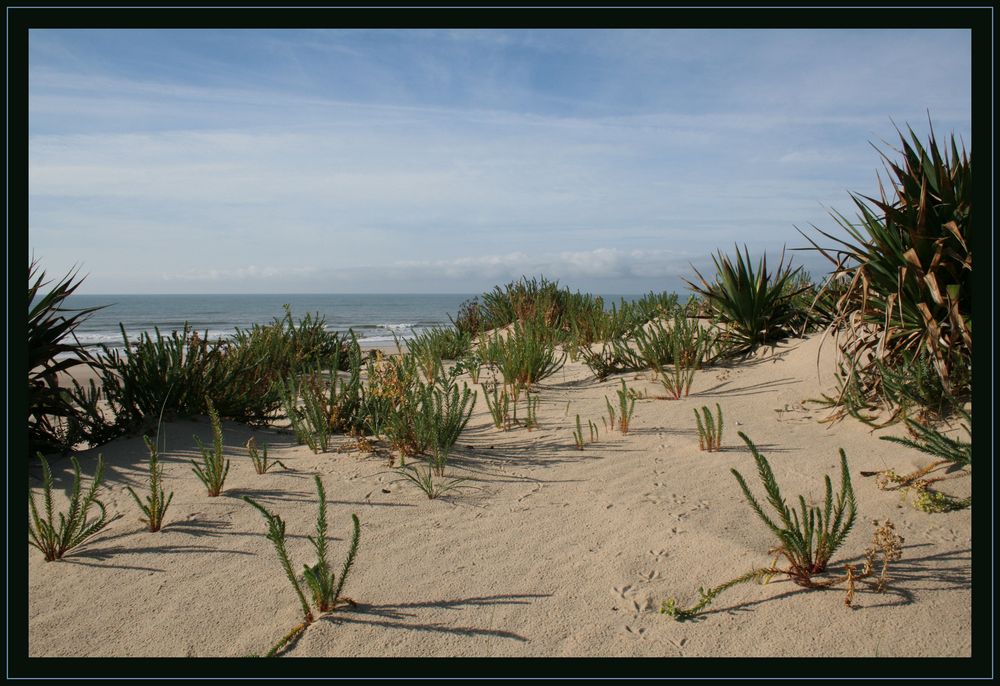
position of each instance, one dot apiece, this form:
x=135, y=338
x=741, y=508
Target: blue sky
x=245, y=161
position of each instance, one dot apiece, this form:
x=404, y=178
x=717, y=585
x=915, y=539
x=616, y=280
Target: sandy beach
x=550, y=551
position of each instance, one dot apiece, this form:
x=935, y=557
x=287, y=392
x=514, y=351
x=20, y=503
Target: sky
x=426, y=161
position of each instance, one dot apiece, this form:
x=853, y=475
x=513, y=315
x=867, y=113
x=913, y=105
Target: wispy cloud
x=451, y=156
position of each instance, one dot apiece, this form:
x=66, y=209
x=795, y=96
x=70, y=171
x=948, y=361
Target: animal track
x=636, y=633
x=650, y=575
x=624, y=591
x=658, y=554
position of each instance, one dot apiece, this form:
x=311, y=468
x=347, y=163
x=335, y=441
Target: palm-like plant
x=904, y=271
x=51, y=328
x=757, y=305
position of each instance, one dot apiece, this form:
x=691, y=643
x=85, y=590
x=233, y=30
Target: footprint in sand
x=532, y=492
x=675, y=530
x=678, y=644
x=635, y=633
x=650, y=575
x=624, y=591
x=658, y=554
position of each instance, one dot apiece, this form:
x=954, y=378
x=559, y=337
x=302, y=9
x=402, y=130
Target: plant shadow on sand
x=945, y=571
x=752, y=389
x=399, y=615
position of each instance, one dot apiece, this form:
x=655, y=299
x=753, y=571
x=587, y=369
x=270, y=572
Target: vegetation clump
x=55, y=417
x=902, y=279
x=74, y=527
x=214, y=467
x=807, y=538
x=709, y=429
x=324, y=585
x=155, y=507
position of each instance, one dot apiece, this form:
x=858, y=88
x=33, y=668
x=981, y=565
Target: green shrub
x=446, y=412
x=74, y=527
x=525, y=356
x=214, y=468
x=53, y=348
x=431, y=347
x=244, y=374
x=155, y=507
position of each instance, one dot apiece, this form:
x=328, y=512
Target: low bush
x=525, y=356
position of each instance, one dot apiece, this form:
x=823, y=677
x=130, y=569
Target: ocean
x=375, y=318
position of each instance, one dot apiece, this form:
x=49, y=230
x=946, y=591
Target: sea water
x=376, y=319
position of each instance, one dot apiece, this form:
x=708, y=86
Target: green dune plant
x=578, y=434
x=905, y=268
x=258, y=457
x=754, y=304
x=470, y=318
x=677, y=381
x=242, y=373
x=324, y=586
x=807, y=538
x=525, y=356
x=74, y=527
x=53, y=349
x=709, y=429
x=432, y=347
x=578, y=437
x=472, y=362
x=214, y=467
x=531, y=419
x=156, y=504
x=622, y=418
x=161, y=376
x=954, y=460
x=498, y=403
x=447, y=411
x=425, y=480
x=613, y=356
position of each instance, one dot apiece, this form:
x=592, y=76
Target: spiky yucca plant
x=214, y=468
x=74, y=527
x=905, y=270
x=52, y=348
x=155, y=507
x=757, y=305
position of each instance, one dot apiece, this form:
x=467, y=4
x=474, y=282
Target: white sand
x=557, y=552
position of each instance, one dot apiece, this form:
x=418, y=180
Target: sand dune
x=552, y=552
